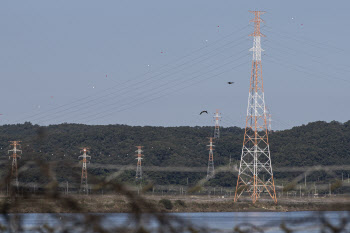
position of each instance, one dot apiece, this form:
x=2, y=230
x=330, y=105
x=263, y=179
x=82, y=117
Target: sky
x=160, y=62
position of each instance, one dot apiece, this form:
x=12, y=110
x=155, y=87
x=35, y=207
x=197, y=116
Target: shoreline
x=178, y=204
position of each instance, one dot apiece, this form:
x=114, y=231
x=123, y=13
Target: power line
x=284, y=51
x=158, y=97
x=313, y=76
x=307, y=40
x=78, y=107
x=173, y=90
x=176, y=82
x=142, y=75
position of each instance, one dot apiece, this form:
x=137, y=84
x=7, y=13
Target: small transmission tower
x=255, y=171
x=217, y=125
x=84, y=188
x=139, y=165
x=15, y=155
x=210, y=171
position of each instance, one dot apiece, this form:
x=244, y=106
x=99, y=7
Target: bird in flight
x=230, y=82
x=203, y=112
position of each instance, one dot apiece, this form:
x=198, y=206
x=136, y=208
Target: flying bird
x=230, y=82
x=203, y=112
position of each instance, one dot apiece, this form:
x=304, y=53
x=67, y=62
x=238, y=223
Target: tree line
x=317, y=143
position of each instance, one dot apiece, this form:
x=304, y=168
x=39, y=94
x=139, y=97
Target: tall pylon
x=15, y=155
x=217, y=117
x=255, y=171
x=211, y=171
x=84, y=187
x=139, y=165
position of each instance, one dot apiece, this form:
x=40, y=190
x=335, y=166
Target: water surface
x=222, y=221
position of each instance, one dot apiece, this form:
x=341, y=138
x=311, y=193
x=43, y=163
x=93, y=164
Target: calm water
x=222, y=221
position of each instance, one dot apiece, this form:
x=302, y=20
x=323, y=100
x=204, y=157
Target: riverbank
x=175, y=204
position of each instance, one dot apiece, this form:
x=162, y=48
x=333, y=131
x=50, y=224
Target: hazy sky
x=160, y=62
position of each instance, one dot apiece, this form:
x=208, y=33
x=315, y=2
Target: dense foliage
x=317, y=143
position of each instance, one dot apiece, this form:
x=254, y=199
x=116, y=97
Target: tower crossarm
x=257, y=21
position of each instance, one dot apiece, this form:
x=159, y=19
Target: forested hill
x=317, y=143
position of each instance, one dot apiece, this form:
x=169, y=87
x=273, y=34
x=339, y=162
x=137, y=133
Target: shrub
x=180, y=203
x=166, y=203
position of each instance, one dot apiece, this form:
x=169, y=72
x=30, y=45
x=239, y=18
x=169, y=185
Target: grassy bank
x=117, y=204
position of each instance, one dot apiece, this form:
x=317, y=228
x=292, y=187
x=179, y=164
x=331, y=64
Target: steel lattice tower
x=210, y=171
x=139, y=165
x=84, y=187
x=15, y=155
x=255, y=171
x=217, y=126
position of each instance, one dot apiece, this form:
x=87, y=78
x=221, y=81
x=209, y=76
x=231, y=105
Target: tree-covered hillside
x=317, y=143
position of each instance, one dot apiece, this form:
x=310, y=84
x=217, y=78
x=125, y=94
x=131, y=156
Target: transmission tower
x=84, y=188
x=255, y=172
x=217, y=126
x=15, y=155
x=139, y=165
x=210, y=171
